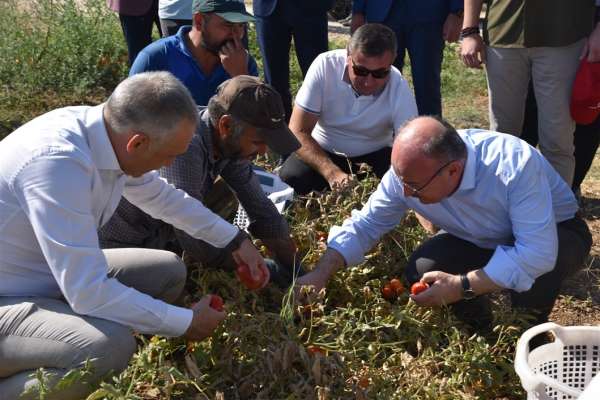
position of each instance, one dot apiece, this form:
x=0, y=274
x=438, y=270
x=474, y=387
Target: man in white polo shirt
x=347, y=110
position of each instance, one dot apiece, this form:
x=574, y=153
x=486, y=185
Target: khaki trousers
x=552, y=71
x=38, y=332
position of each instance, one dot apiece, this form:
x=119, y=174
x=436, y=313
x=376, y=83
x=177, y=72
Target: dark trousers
x=138, y=30
x=445, y=252
x=169, y=27
x=274, y=34
x=304, y=179
x=425, y=45
x=586, y=139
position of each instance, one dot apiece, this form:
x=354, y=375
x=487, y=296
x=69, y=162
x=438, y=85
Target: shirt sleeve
x=54, y=193
x=147, y=60
x=382, y=212
x=534, y=229
x=161, y=200
x=310, y=95
x=359, y=6
x=252, y=66
x=456, y=5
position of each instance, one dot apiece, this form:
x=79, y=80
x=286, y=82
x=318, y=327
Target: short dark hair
x=446, y=146
x=373, y=40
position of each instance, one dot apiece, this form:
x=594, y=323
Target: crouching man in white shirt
x=63, y=300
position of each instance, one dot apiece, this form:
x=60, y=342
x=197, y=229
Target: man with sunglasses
x=347, y=110
x=206, y=54
x=508, y=220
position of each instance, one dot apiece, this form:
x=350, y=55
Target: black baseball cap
x=249, y=99
x=230, y=10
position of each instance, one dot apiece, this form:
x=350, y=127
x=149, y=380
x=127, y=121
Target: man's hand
x=451, y=29
x=338, y=178
x=472, y=51
x=234, y=57
x=592, y=46
x=249, y=255
x=205, y=320
x=357, y=21
x=316, y=278
x=443, y=289
x=327, y=265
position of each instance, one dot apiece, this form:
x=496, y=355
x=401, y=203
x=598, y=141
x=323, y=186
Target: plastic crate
x=561, y=369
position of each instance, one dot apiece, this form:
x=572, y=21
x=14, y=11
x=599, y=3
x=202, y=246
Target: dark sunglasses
x=362, y=71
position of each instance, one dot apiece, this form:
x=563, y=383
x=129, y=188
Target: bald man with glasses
x=508, y=220
x=346, y=112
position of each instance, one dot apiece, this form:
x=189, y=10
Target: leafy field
x=349, y=343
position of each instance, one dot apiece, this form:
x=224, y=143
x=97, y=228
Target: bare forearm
x=472, y=12
x=313, y=155
x=330, y=262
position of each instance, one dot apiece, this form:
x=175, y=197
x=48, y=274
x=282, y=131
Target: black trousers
x=304, y=179
x=448, y=253
x=138, y=30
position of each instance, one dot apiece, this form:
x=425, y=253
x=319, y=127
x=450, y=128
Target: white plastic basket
x=276, y=190
x=561, y=369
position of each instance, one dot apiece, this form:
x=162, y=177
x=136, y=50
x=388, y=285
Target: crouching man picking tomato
x=508, y=221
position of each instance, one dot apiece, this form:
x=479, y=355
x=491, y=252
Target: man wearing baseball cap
x=244, y=118
x=203, y=55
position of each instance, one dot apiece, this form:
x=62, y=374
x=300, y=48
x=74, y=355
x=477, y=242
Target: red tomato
x=363, y=382
x=244, y=275
x=418, y=287
x=315, y=350
x=397, y=286
x=216, y=302
x=388, y=292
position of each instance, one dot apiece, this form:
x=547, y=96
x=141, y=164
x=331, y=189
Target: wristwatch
x=236, y=241
x=468, y=293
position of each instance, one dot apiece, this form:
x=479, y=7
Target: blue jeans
x=138, y=30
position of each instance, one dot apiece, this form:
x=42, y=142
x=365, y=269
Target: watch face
x=469, y=294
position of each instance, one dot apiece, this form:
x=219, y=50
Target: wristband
x=469, y=31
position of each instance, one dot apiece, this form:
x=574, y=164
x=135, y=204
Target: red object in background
x=585, y=97
x=388, y=292
x=216, y=302
x=418, y=287
x=244, y=275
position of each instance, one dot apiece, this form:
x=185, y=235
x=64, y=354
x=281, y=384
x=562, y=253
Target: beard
x=230, y=148
x=210, y=44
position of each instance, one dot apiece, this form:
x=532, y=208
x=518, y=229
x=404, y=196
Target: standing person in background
x=137, y=18
x=277, y=21
x=539, y=41
x=173, y=15
x=421, y=28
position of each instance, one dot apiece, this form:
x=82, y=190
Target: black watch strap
x=236, y=241
x=468, y=292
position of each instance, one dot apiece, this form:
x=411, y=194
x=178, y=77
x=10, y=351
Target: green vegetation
x=350, y=342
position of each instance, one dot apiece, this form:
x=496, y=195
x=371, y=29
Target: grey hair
x=216, y=110
x=445, y=146
x=373, y=40
x=154, y=103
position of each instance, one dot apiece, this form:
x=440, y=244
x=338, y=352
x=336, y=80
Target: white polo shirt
x=350, y=124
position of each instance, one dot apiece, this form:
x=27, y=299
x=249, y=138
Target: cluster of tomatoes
x=395, y=288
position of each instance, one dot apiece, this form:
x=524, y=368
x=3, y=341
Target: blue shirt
x=172, y=54
x=509, y=199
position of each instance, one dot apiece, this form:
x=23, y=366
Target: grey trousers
x=552, y=71
x=37, y=332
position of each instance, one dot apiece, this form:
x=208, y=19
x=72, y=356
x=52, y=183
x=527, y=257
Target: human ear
x=138, y=142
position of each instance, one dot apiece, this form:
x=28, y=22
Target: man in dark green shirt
x=538, y=40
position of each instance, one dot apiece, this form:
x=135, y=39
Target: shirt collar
x=468, y=179
x=181, y=37
x=204, y=129
x=103, y=153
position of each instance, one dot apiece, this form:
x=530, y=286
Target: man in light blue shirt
x=508, y=220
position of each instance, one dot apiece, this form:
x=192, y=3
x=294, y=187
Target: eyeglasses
x=359, y=70
x=415, y=191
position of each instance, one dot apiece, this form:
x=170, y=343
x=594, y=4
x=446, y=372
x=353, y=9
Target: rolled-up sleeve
x=60, y=212
x=359, y=233
x=534, y=229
